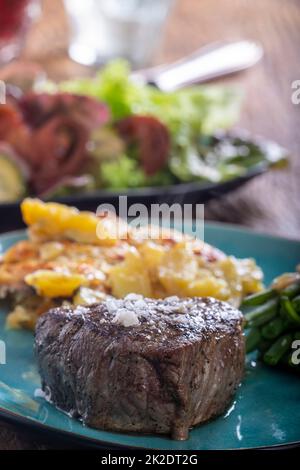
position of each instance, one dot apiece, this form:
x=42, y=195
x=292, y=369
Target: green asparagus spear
x=296, y=303
x=273, y=317
x=263, y=313
x=292, y=290
x=288, y=308
x=273, y=329
x=278, y=349
x=253, y=339
x=259, y=298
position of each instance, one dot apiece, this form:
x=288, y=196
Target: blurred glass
x=15, y=19
x=105, y=29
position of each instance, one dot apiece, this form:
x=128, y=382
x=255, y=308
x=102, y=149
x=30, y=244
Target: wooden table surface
x=270, y=203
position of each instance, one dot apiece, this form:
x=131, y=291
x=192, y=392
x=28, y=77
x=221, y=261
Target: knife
x=213, y=61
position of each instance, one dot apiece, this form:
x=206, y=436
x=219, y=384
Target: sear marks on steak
x=175, y=364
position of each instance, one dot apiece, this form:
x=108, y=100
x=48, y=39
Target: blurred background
x=155, y=32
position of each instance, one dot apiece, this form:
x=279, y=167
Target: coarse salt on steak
x=142, y=365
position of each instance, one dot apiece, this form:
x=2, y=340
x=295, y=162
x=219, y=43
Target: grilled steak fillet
x=177, y=362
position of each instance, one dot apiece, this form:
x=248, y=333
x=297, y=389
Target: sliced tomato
x=59, y=150
x=151, y=138
x=10, y=119
x=38, y=108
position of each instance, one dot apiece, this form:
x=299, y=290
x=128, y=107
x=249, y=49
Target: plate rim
x=151, y=191
x=250, y=231
x=24, y=421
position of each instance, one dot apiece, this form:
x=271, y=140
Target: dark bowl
x=183, y=193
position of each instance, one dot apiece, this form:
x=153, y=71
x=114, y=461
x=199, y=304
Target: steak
x=142, y=365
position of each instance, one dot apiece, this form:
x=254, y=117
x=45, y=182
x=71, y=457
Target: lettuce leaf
x=186, y=112
x=126, y=173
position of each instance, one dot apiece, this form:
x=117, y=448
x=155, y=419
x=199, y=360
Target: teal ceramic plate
x=266, y=410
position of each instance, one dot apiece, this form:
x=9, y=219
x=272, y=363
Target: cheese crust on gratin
x=65, y=260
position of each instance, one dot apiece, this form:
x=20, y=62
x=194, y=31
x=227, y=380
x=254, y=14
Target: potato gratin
x=64, y=261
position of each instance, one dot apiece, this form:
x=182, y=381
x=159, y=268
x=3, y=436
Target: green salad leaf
x=126, y=173
x=186, y=112
x=223, y=156
x=123, y=173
